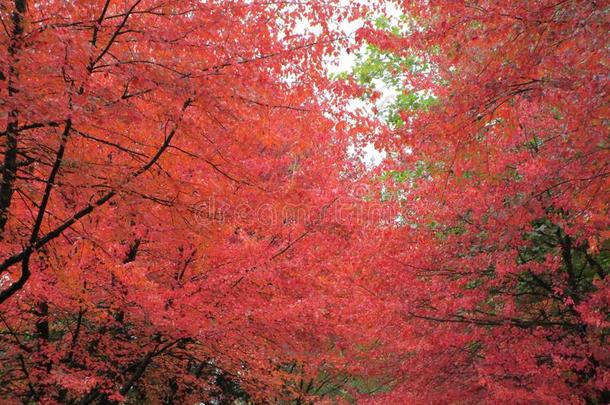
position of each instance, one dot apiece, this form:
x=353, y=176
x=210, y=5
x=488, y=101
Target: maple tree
x=166, y=169
x=499, y=169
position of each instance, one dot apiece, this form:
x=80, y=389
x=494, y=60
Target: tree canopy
x=185, y=216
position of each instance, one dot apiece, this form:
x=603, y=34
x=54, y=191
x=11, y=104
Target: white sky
x=346, y=61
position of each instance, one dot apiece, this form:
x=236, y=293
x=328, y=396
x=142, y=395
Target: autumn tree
x=498, y=166
x=167, y=169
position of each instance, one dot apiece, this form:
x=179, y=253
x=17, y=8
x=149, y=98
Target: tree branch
x=24, y=255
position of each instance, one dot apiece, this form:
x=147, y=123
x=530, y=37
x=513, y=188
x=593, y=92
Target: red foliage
x=167, y=166
x=501, y=269
x=181, y=221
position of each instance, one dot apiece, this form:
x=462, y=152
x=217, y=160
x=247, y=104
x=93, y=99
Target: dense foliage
x=502, y=182
x=184, y=217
